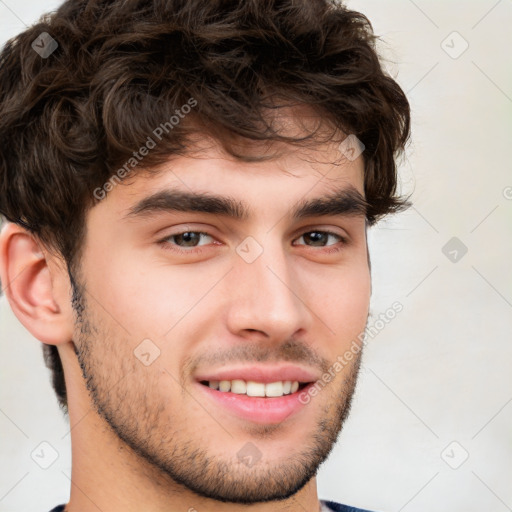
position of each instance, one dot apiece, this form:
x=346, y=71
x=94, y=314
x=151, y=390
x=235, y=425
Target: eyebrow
x=347, y=201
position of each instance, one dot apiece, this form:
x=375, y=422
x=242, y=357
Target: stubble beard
x=144, y=422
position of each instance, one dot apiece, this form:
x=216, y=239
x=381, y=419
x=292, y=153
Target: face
x=182, y=299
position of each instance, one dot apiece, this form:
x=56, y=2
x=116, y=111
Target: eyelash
x=166, y=245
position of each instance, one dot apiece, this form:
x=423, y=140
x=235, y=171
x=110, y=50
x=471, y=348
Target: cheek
x=149, y=298
x=341, y=301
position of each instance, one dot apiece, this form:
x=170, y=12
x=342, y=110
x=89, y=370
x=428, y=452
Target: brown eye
x=320, y=238
x=186, y=239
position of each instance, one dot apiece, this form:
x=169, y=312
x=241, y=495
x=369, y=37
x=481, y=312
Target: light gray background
x=440, y=372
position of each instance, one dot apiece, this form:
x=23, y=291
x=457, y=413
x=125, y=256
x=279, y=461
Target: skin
x=145, y=437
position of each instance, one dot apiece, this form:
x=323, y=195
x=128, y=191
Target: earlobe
x=36, y=287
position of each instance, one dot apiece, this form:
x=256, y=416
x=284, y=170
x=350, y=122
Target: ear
x=36, y=285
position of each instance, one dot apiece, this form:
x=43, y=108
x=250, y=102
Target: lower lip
x=258, y=409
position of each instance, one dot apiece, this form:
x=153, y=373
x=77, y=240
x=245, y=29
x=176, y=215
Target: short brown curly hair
x=69, y=120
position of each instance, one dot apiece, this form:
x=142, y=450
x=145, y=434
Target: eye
x=322, y=239
x=188, y=239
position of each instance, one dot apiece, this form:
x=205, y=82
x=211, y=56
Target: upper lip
x=264, y=374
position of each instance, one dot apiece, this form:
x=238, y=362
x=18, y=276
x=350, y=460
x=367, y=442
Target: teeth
x=224, y=385
x=252, y=388
x=274, y=389
x=255, y=388
x=239, y=387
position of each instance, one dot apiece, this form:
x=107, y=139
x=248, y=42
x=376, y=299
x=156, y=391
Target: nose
x=266, y=300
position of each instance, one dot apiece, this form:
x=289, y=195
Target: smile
x=253, y=404
x=256, y=389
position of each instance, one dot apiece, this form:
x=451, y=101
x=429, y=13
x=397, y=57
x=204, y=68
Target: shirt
x=327, y=506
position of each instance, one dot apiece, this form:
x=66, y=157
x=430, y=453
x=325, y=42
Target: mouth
x=253, y=388
x=264, y=403
x=264, y=394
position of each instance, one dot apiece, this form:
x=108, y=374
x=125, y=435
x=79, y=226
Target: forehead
x=289, y=175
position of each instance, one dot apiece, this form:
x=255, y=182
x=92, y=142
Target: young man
x=188, y=186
